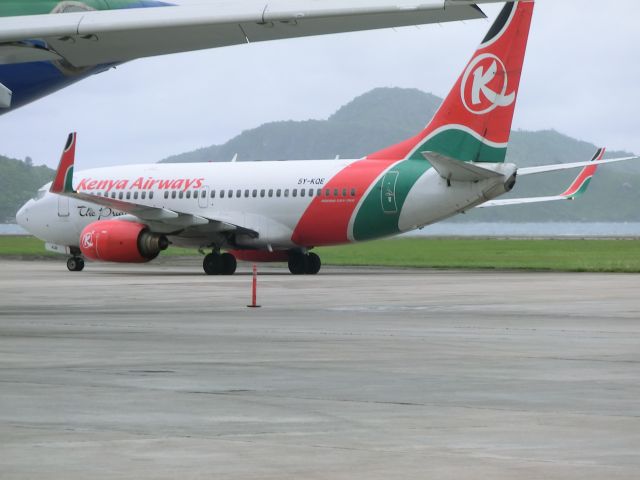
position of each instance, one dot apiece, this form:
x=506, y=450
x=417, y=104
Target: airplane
x=280, y=211
x=46, y=45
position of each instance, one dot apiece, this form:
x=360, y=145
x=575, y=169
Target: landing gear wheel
x=213, y=264
x=229, y=264
x=313, y=264
x=75, y=264
x=298, y=263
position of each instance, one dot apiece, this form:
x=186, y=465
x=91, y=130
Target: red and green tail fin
x=474, y=121
x=580, y=184
x=63, y=181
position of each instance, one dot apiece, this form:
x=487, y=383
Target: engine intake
x=121, y=241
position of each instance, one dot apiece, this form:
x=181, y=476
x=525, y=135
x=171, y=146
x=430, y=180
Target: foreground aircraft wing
x=576, y=189
x=103, y=37
x=62, y=185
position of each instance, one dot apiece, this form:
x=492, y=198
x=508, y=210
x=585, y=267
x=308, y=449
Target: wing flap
x=102, y=37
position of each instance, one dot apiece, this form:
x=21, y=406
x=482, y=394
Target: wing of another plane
x=102, y=37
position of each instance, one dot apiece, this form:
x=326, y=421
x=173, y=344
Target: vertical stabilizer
x=474, y=121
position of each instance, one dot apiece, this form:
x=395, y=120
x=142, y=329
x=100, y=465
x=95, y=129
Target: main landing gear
x=304, y=264
x=75, y=264
x=219, y=264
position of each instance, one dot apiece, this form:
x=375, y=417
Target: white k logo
x=479, y=98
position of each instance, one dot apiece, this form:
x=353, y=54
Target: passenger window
x=311, y=192
x=319, y=192
x=246, y=193
x=270, y=193
x=303, y=192
x=195, y=193
x=166, y=194
x=150, y=195
x=213, y=194
x=344, y=192
x=230, y=194
x=113, y=194
x=203, y=194
x=173, y=194
x=336, y=192
x=294, y=192
x=221, y=193
x=327, y=193
x=143, y=195
x=353, y=192
x=239, y=193
x=278, y=193
x=135, y=195
x=188, y=194
x=120, y=195
x=128, y=195
x=286, y=192
x=181, y=194
x=254, y=194
x=262, y=192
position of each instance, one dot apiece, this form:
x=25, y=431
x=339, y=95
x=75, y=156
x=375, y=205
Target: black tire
x=313, y=264
x=75, y=264
x=213, y=264
x=229, y=263
x=298, y=263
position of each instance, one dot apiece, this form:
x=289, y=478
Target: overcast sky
x=581, y=77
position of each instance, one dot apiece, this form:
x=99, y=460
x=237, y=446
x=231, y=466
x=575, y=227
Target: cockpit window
x=40, y=194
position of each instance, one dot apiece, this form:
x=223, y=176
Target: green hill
x=18, y=182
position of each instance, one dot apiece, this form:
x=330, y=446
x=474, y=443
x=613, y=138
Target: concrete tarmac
x=159, y=372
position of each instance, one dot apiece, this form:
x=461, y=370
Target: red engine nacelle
x=260, y=256
x=121, y=241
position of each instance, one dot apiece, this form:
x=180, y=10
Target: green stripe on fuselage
x=375, y=218
x=379, y=213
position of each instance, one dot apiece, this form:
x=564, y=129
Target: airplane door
x=63, y=206
x=388, y=192
x=203, y=198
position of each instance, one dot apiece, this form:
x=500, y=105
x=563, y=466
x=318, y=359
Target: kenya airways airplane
x=280, y=211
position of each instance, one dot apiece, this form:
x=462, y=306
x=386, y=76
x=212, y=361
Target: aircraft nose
x=22, y=216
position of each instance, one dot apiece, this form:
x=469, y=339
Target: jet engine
x=121, y=241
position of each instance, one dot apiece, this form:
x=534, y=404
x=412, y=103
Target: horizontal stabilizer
x=575, y=190
x=5, y=97
x=456, y=170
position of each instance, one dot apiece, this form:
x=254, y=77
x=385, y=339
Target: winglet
x=63, y=181
x=580, y=184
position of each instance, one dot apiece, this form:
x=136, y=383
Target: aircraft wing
x=172, y=220
x=113, y=36
x=576, y=189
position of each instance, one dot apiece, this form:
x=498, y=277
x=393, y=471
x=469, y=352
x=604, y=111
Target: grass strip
x=468, y=253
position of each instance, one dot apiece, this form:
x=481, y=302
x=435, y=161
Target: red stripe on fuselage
x=326, y=220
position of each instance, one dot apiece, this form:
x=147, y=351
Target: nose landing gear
x=75, y=264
